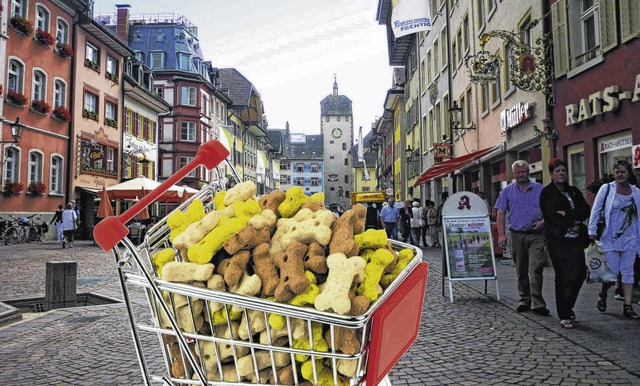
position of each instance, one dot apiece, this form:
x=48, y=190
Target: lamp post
x=455, y=118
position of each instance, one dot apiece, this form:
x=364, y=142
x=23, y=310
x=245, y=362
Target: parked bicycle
x=17, y=229
x=37, y=230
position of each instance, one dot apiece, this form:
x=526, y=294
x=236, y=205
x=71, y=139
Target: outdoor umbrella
x=131, y=189
x=184, y=197
x=144, y=214
x=105, y=209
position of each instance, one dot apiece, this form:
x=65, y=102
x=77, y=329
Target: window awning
x=441, y=168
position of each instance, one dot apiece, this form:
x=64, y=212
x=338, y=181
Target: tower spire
x=335, y=85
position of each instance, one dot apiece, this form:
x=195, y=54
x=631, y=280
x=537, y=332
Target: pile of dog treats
x=286, y=247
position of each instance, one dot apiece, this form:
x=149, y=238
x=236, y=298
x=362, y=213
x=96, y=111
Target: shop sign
x=442, y=151
x=515, y=116
x=615, y=144
x=600, y=102
x=635, y=155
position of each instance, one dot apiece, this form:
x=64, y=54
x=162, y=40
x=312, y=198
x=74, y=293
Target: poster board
x=467, y=241
x=469, y=248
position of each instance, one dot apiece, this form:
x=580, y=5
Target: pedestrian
x=564, y=209
x=432, y=223
x=405, y=221
x=389, y=218
x=416, y=223
x=519, y=203
x=57, y=219
x=69, y=221
x=371, y=218
x=619, y=201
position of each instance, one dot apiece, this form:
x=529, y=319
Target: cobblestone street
x=474, y=341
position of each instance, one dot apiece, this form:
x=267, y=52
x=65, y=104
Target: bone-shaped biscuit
x=335, y=293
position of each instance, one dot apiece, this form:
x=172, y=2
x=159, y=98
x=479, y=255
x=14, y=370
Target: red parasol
x=144, y=213
x=185, y=196
x=105, y=209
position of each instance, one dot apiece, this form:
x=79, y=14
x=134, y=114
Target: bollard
x=60, y=284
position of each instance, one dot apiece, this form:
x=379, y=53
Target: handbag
x=598, y=270
x=601, y=221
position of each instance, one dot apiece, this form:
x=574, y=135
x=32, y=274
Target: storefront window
x=612, y=149
x=577, y=173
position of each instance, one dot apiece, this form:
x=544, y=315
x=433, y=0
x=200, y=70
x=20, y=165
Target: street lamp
x=131, y=153
x=411, y=157
x=548, y=132
x=16, y=132
x=455, y=117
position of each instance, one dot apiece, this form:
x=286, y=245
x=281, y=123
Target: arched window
x=42, y=18
x=18, y=8
x=59, y=93
x=12, y=164
x=62, y=31
x=39, y=86
x=16, y=76
x=56, y=179
x=35, y=166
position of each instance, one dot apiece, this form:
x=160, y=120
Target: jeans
x=527, y=251
x=392, y=231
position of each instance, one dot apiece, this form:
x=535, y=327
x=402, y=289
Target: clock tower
x=336, y=125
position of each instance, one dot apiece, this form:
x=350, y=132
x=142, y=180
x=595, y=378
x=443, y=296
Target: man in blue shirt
x=388, y=218
x=520, y=201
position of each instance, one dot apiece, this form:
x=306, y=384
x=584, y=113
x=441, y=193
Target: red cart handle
x=111, y=230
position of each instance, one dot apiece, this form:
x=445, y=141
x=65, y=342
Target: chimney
x=122, y=24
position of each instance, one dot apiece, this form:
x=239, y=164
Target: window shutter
x=608, y=22
x=629, y=19
x=560, y=42
x=134, y=123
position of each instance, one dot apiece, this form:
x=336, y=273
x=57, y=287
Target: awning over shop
x=441, y=168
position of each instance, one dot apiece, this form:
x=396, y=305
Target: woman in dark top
x=405, y=221
x=564, y=209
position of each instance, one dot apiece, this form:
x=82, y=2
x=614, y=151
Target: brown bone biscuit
x=272, y=201
x=264, y=268
x=232, y=268
x=248, y=237
x=343, y=231
x=292, y=278
x=315, y=259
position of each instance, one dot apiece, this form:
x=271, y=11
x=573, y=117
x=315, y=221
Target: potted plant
x=62, y=113
x=21, y=24
x=111, y=122
x=12, y=187
x=90, y=114
x=16, y=98
x=36, y=188
x=45, y=38
x=111, y=76
x=595, y=185
x=91, y=64
x=64, y=50
x=40, y=106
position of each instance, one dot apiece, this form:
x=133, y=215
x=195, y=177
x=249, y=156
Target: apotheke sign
x=600, y=102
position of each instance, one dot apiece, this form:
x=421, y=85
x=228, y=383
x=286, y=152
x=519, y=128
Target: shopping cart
x=235, y=349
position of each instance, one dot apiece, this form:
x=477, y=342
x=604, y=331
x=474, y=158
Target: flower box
x=16, y=98
x=111, y=122
x=64, y=50
x=62, y=113
x=91, y=64
x=12, y=187
x=90, y=114
x=111, y=76
x=41, y=106
x=36, y=188
x=21, y=24
x=44, y=38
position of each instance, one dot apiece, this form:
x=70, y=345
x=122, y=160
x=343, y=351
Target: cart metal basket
x=235, y=345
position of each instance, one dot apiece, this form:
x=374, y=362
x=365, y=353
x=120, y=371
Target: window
x=59, y=93
x=460, y=47
x=589, y=25
x=38, y=86
x=139, y=56
x=12, y=164
x=42, y=18
x=326, y=119
x=184, y=62
x=90, y=105
x=332, y=157
x=62, y=31
x=111, y=113
x=18, y=8
x=346, y=161
x=314, y=168
x=185, y=160
x=494, y=92
x=508, y=54
x=156, y=60
x=482, y=15
x=299, y=167
x=112, y=67
x=299, y=181
x=92, y=56
x=344, y=146
x=338, y=118
x=111, y=158
x=35, y=166
x=55, y=182
x=16, y=76
x=577, y=173
x=465, y=33
x=436, y=59
x=468, y=108
x=485, y=98
x=443, y=48
x=189, y=96
x=188, y=131
x=315, y=181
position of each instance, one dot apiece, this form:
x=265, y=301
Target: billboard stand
x=468, y=245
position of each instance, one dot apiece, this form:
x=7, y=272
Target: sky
x=290, y=51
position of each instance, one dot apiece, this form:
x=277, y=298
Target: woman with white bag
x=620, y=239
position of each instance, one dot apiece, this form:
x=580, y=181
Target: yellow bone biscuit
x=305, y=227
x=404, y=257
x=371, y=239
x=197, y=230
x=178, y=220
x=335, y=294
x=248, y=285
x=376, y=263
x=185, y=272
x=319, y=344
x=325, y=375
x=161, y=258
x=203, y=251
x=298, y=330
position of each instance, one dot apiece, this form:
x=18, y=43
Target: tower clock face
x=336, y=133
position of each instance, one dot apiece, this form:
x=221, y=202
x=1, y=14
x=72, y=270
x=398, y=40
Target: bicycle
x=17, y=229
x=37, y=230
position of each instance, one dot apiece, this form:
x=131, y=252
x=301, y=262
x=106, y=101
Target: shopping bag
x=598, y=270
